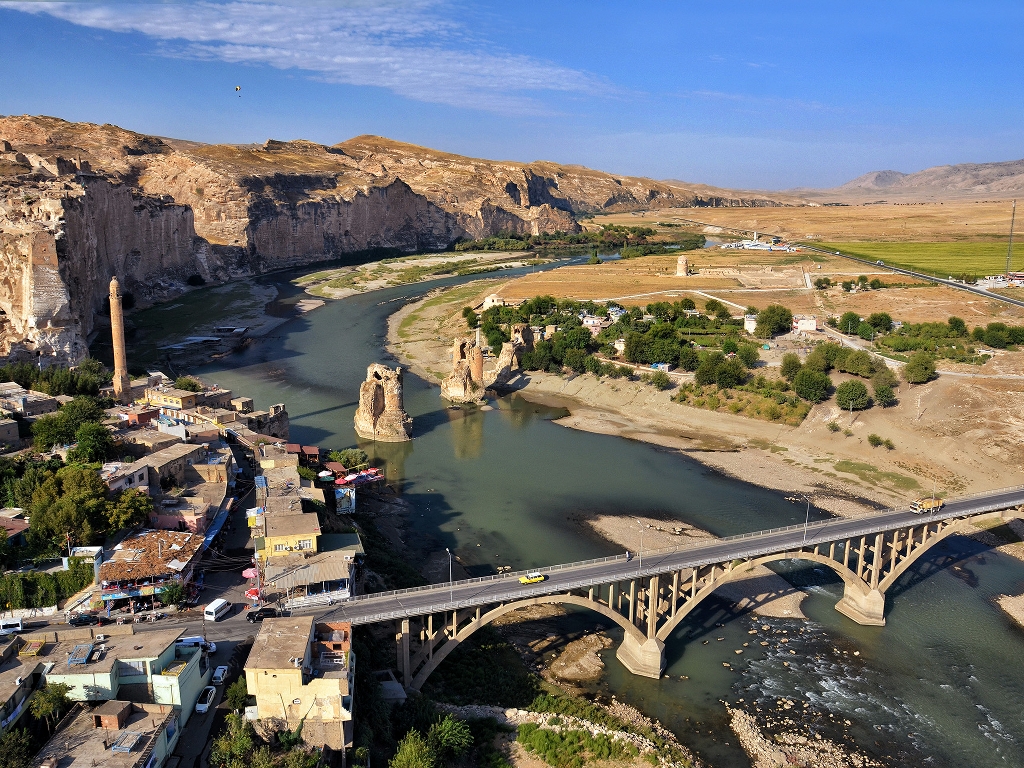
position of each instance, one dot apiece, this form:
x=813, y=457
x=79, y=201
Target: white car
x=206, y=699
x=219, y=674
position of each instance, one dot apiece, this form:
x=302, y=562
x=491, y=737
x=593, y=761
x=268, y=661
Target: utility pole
x=1009, y=249
x=807, y=517
x=451, y=583
x=640, y=554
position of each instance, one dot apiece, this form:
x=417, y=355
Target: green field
x=939, y=259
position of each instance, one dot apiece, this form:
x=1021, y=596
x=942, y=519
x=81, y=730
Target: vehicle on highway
x=216, y=609
x=197, y=642
x=206, y=699
x=83, y=620
x=880, y=263
x=533, y=577
x=219, y=674
x=927, y=505
x=260, y=614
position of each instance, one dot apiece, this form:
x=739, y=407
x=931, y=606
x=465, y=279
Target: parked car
x=219, y=674
x=83, y=620
x=206, y=699
x=260, y=614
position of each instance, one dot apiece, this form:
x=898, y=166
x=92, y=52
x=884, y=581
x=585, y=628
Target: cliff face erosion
x=80, y=203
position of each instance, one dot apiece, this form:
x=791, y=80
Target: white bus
x=216, y=609
x=10, y=627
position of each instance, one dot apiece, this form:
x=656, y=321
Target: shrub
x=660, y=380
x=875, y=440
x=812, y=386
x=188, y=383
x=852, y=395
x=822, y=283
x=306, y=473
x=888, y=444
x=349, y=457
x=730, y=347
x=791, y=365
x=748, y=355
x=919, y=368
x=833, y=426
x=688, y=359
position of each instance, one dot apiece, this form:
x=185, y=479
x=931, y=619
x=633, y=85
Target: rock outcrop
x=80, y=203
x=381, y=413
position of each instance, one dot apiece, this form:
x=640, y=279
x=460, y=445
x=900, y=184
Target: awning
x=214, y=529
x=331, y=566
x=249, y=573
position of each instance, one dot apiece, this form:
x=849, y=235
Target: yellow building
x=169, y=397
x=300, y=671
x=284, y=532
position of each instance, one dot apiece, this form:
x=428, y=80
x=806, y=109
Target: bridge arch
x=850, y=579
x=464, y=633
x=904, y=564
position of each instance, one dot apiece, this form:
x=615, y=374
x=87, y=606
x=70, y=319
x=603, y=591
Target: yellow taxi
x=534, y=577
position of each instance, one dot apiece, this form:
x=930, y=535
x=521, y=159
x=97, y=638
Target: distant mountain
x=943, y=182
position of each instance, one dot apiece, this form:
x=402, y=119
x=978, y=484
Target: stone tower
x=122, y=382
x=682, y=267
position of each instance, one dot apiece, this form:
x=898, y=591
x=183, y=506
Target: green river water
x=940, y=685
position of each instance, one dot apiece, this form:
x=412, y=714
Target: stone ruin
x=468, y=381
x=381, y=413
x=682, y=266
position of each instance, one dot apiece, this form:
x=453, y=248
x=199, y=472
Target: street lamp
x=807, y=516
x=640, y=553
x=451, y=583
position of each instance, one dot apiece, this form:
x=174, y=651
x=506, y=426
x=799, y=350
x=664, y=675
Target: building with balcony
x=306, y=578
x=303, y=672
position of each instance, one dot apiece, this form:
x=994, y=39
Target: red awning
x=293, y=448
x=336, y=467
x=310, y=450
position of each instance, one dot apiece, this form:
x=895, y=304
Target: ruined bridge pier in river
x=649, y=595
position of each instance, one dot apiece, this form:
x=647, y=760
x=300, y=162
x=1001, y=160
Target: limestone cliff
x=81, y=203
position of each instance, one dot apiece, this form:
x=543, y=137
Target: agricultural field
x=940, y=259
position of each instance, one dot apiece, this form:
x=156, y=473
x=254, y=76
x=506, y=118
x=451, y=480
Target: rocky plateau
x=81, y=203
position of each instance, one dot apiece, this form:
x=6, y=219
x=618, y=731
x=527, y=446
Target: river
x=939, y=685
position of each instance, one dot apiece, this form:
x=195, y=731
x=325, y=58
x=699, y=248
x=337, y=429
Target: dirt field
x=652, y=278
x=925, y=222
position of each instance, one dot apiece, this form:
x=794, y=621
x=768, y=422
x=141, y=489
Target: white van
x=216, y=609
x=10, y=627
x=196, y=642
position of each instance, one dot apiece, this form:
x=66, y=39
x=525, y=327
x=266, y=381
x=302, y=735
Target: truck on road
x=926, y=505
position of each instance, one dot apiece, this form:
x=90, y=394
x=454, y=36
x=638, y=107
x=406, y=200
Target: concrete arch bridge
x=652, y=593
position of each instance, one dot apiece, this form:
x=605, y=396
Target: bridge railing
x=812, y=529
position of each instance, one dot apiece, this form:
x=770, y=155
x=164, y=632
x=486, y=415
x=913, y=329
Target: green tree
x=174, y=594
x=594, y=259
x=812, y=386
x=711, y=306
x=729, y=374
x=413, y=752
x=59, y=428
x=849, y=322
x=880, y=321
x=349, y=457
x=237, y=694
x=689, y=359
x=50, y=702
x=884, y=377
x=748, y=355
x=772, y=320
x=7, y=559
x=449, y=739
x=131, y=507
x=233, y=748
x=919, y=368
x=730, y=347
x=852, y=395
x=884, y=395
x=95, y=443
x=866, y=331
x=822, y=283
x=791, y=365
x=707, y=371
x=16, y=749
x=957, y=326
x=687, y=304
x=188, y=383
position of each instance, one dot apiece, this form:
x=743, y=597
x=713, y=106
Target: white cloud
x=411, y=48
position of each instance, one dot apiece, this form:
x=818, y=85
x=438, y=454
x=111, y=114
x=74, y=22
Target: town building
x=15, y=522
x=146, y=562
x=170, y=465
x=19, y=677
x=750, y=323
x=16, y=399
x=321, y=577
x=117, y=734
x=303, y=672
x=805, y=323
x=119, y=476
x=146, y=667
x=170, y=397
x=9, y=435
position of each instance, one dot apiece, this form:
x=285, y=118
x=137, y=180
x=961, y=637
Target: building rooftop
x=89, y=656
x=173, y=392
x=170, y=453
x=279, y=641
x=81, y=743
x=292, y=525
x=150, y=554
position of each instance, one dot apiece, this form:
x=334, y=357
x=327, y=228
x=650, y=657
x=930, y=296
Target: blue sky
x=767, y=95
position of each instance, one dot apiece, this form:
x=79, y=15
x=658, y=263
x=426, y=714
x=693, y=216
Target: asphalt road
x=366, y=609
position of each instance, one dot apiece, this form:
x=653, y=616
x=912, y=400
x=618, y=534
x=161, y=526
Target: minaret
x=122, y=382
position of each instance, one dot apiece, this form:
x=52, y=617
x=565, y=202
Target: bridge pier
x=646, y=659
x=863, y=607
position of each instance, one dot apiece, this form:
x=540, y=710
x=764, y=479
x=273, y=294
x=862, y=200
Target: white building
x=749, y=323
x=804, y=323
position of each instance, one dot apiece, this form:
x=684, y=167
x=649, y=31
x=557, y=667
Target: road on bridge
x=437, y=598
